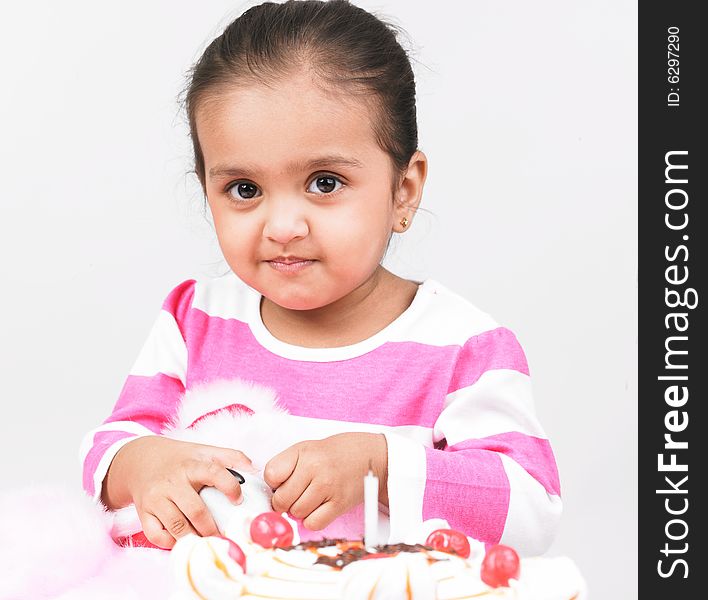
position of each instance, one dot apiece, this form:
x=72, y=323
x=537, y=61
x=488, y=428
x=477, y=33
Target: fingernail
x=237, y=475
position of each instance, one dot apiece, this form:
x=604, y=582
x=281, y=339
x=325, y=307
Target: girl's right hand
x=163, y=477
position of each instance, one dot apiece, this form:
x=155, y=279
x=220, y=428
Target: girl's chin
x=290, y=294
x=296, y=303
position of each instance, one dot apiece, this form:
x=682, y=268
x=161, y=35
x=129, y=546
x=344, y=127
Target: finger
x=193, y=507
x=289, y=492
x=173, y=519
x=201, y=474
x=228, y=457
x=322, y=516
x=155, y=532
x=279, y=468
x=308, y=501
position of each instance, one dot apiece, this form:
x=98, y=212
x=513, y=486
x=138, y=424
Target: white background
x=527, y=113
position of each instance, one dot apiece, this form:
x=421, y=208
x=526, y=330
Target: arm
x=149, y=396
x=492, y=473
x=126, y=461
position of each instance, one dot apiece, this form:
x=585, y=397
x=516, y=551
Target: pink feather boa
x=56, y=544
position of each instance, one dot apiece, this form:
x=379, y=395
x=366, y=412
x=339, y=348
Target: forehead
x=285, y=123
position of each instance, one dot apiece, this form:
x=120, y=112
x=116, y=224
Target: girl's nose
x=285, y=222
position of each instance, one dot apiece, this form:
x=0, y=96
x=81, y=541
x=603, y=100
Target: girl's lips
x=290, y=258
x=290, y=265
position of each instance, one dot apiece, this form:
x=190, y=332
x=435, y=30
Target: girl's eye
x=242, y=191
x=326, y=184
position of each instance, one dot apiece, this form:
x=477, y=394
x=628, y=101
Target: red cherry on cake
x=500, y=564
x=271, y=530
x=449, y=540
x=235, y=552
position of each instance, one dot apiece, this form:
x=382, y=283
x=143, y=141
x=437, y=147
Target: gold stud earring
x=404, y=222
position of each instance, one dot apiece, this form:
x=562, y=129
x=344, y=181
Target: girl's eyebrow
x=225, y=170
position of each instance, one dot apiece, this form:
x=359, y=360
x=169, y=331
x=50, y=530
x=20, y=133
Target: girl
x=303, y=122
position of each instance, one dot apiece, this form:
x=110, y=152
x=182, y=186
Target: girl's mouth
x=290, y=264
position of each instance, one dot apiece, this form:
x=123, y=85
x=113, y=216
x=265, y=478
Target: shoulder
x=482, y=341
x=225, y=296
x=447, y=318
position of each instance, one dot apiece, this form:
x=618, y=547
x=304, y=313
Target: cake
x=263, y=554
x=215, y=568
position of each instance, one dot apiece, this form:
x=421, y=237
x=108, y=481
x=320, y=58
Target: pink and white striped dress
x=448, y=387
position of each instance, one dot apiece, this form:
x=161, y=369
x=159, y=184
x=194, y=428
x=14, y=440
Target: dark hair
x=350, y=51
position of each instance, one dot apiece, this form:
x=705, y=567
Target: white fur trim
x=125, y=522
x=259, y=436
x=204, y=398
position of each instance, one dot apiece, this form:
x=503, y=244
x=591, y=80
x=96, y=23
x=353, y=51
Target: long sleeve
x=491, y=473
x=150, y=394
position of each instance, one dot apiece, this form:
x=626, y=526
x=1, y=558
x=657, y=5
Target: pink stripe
x=532, y=453
x=494, y=349
x=358, y=389
x=150, y=401
x=468, y=488
x=179, y=302
x=101, y=442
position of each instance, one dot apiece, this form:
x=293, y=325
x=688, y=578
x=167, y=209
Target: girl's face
x=299, y=190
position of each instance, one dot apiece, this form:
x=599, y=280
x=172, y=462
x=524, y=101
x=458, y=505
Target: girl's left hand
x=319, y=480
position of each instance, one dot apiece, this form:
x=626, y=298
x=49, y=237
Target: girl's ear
x=409, y=192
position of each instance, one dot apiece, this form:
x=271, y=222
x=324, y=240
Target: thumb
x=279, y=468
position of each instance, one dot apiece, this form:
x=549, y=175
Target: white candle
x=371, y=510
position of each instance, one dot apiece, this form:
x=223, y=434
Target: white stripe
x=448, y=319
x=534, y=514
x=164, y=350
x=498, y=402
x=445, y=318
x=406, y=485
x=226, y=297
x=120, y=426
